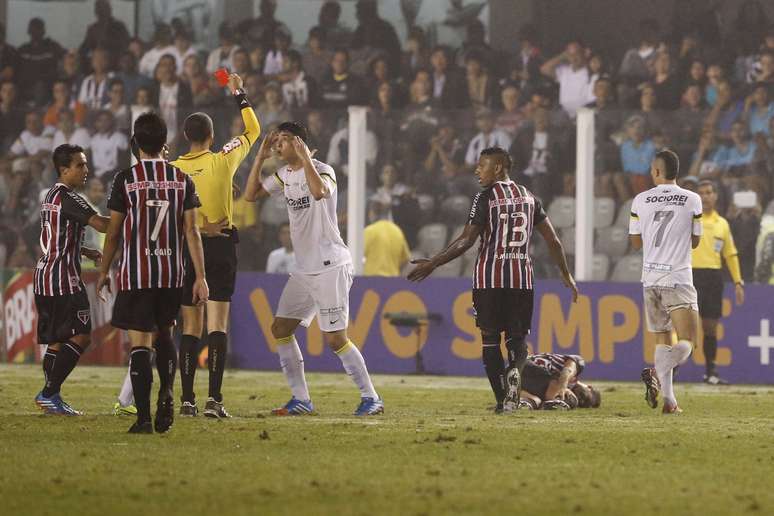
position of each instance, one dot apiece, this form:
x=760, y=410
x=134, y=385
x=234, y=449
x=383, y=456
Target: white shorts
x=325, y=295
x=660, y=302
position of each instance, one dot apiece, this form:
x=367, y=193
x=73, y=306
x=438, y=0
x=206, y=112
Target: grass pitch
x=437, y=450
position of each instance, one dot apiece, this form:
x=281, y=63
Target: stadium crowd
x=432, y=110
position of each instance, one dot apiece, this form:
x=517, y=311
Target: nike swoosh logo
x=334, y=322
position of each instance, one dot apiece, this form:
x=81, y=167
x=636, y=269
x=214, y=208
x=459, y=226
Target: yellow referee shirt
x=385, y=249
x=716, y=241
x=213, y=172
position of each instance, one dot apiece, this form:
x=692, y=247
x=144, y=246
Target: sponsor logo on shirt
x=158, y=185
x=657, y=267
x=670, y=200
x=507, y=202
x=299, y=204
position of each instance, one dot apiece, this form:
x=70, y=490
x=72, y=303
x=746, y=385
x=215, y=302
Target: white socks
x=292, y=363
x=666, y=359
x=355, y=367
x=126, y=397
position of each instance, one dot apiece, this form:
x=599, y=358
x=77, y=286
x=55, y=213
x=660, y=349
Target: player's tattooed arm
x=425, y=267
x=556, y=250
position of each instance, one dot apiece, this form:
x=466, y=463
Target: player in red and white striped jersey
x=502, y=217
x=153, y=208
x=64, y=314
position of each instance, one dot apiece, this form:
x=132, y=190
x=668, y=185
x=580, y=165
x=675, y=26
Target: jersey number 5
x=161, y=216
x=517, y=223
x=662, y=218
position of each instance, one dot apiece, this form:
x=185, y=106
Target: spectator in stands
x=475, y=42
x=637, y=152
x=338, y=149
x=375, y=32
x=447, y=154
x=512, y=117
x=482, y=86
x=666, y=82
x=183, y=47
x=11, y=115
x=316, y=58
x=710, y=157
x=384, y=246
x=416, y=56
x=68, y=132
x=127, y=73
x=390, y=189
x=766, y=73
x=759, y=109
x=750, y=29
x=339, y=88
x=298, y=89
x=143, y=102
x=448, y=86
x=263, y=29
x=384, y=120
x=282, y=260
x=94, y=88
x=764, y=248
x=716, y=75
x=697, y=74
x=743, y=160
x=536, y=156
x=117, y=105
x=525, y=67
x=745, y=224
x=9, y=58
x=570, y=71
x=137, y=48
x=335, y=33
x=655, y=118
x=487, y=137
x=162, y=46
x=38, y=60
x=274, y=61
x=222, y=56
x=70, y=72
x=273, y=109
x=725, y=111
x=637, y=62
x=109, y=147
x=62, y=100
x=381, y=73
x=686, y=123
x=107, y=32
x=173, y=96
x=34, y=143
x=253, y=85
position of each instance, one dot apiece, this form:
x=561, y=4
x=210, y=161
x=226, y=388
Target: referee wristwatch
x=239, y=91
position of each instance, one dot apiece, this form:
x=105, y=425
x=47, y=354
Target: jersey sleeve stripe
x=634, y=215
x=697, y=216
x=276, y=175
x=325, y=174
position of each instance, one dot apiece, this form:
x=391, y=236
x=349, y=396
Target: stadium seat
x=628, y=268
x=426, y=205
x=604, y=212
x=567, y=236
x=455, y=208
x=600, y=267
x=622, y=220
x=562, y=212
x=612, y=241
x=432, y=239
x=274, y=210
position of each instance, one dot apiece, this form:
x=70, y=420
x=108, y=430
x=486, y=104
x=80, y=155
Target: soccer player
x=64, y=314
x=212, y=174
x=550, y=381
x=502, y=217
x=153, y=210
x=666, y=223
x=716, y=241
x=320, y=285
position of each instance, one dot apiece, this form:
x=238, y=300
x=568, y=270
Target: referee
x=716, y=241
x=213, y=173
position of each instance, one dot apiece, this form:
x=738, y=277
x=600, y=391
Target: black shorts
x=220, y=265
x=60, y=318
x=535, y=380
x=146, y=309
x=504, y=309
x=709, y=288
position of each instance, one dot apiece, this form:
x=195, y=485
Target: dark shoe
x=141, y=428
x=652, y=386
x=188, y=409
x=165, y=415
x=215, y=409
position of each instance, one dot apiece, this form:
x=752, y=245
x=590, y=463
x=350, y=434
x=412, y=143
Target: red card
x=221, y=74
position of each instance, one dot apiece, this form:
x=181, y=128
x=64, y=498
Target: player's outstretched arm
x=456, y=248
x=99, y=222
x=112, y=237
x=254, y=189
x=556, y=250
x=201, y=291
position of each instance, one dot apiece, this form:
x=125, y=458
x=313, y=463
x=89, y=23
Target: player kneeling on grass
x=64, y=314
x=550, y=381
x=320, y=286
x=502, y=217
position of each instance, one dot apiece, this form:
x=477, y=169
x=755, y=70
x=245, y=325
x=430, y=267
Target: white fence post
x=584, y=195
x=356, y=185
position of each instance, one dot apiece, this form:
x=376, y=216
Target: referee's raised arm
x=252, y=127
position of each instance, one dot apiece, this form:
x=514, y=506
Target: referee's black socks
x=142, y=379
x=166, y=364
x=494, y=365
x=710, y=352
x=217, y=347
x=189, y=350
x=66, y=359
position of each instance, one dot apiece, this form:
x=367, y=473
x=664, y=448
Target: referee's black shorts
x=220, y=265
x=709, y=287
x=504, y=309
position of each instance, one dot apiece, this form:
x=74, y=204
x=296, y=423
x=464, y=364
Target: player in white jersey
x=320, y=285
x=666, y=223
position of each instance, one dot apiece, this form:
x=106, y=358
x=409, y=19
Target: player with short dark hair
x=64, y=314
x=503, y=217
x=716, y=242
x=666, y=223
x=547, y=375
x=212, y=173
x=153, y=214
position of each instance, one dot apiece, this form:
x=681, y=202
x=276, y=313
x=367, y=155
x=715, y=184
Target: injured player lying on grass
x=550, y=382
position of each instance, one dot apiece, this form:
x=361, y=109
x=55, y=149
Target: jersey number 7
x=162, y=215
x=662, y=218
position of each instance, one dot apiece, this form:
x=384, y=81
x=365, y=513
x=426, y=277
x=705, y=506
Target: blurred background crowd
x=432, y=108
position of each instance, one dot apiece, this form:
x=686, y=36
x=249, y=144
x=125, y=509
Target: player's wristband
x=241, y=98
